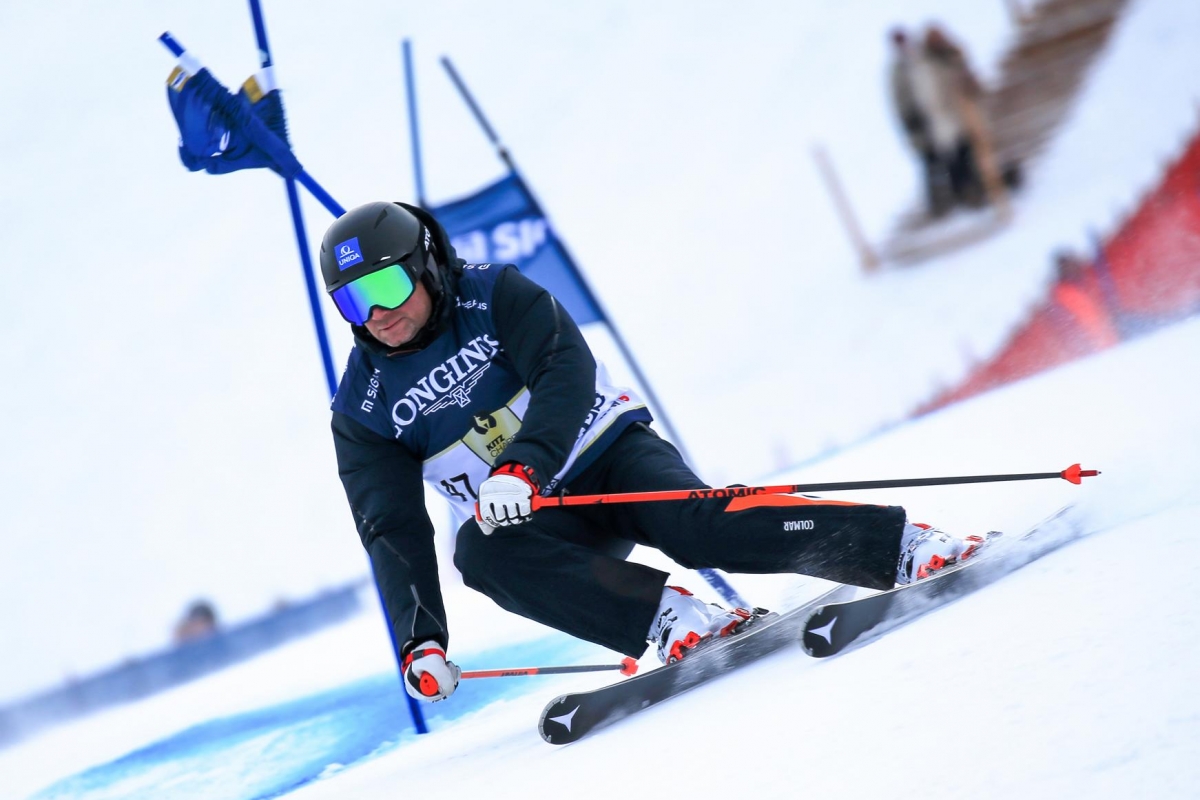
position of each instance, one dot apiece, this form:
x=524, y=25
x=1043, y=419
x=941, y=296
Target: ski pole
x=1074, y=474
x=627, y=667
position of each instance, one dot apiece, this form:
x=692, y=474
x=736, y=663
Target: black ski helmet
x=385, y=233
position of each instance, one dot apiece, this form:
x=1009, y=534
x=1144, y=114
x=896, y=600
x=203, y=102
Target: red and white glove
x=428, y=676
x=506, y=498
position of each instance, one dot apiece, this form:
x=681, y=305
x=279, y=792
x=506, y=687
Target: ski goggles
x=389, y=288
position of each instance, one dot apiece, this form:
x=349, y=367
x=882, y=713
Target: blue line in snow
x=268, y=752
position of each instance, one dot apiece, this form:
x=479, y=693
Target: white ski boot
x=683, y=622
x=925, y=549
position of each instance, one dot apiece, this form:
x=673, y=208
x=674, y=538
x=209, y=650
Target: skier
x=474, y=378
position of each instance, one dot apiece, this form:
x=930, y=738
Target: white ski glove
x=428, y=676
x=506, y=498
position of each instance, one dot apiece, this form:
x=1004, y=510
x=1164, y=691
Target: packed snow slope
x=165, y=426
x=1069, y=678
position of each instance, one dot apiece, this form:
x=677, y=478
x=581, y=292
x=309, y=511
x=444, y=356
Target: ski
x=834, y=627
x=570, y=717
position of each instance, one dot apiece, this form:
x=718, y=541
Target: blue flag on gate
x=502, y=224
x=222, y=132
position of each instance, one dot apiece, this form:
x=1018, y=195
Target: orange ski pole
x=1074, y=474
x=627, y=667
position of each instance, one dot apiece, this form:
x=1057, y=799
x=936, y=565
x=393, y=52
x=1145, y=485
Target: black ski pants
x=567, y=568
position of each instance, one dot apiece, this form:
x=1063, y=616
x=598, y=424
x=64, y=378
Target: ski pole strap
x=627, y=667
x=1073, y=474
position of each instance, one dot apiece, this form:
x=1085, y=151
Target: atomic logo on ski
x=565, y=719
x=598, y=708
x=865, y=618
x=826, y=631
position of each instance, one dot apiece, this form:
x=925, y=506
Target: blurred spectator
x=199, y=621
x=907, y=70
x=937, y=97
x=950, y=91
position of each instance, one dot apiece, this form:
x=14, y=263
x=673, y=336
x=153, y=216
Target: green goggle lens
x=387, y=288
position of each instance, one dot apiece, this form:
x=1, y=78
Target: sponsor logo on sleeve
x=373, y=388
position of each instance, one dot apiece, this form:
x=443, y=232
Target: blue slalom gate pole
x=171, y=44
x=506, y=157
x=323, y=197
x=310, y=284
x=310, y=281
x=714, y=578
x=264, y=55
x=413, y=130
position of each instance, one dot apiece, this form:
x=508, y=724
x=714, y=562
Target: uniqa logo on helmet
x=348, y=253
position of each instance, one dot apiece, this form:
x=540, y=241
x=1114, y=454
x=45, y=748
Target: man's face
x=398, y=326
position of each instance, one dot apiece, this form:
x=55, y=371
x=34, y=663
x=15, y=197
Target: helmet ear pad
x=431, y=276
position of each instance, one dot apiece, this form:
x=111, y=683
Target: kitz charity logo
x=449, y=383
x=348, y=253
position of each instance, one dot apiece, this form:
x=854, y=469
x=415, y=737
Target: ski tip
x=560, y=731
x=816, y=635
x=1075, y=474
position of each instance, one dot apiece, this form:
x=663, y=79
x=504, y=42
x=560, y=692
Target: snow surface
x=1069, y=678
x=165, y=431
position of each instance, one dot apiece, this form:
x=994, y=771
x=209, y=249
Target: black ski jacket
x=381, y=464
